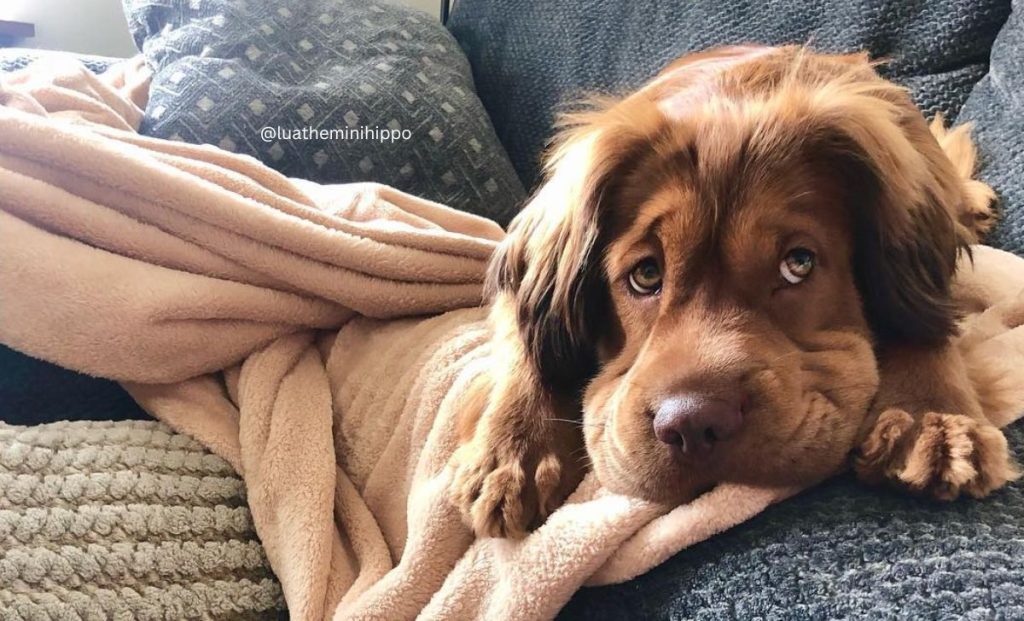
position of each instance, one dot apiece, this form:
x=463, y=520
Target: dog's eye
x=645, y=278
x=797, y=265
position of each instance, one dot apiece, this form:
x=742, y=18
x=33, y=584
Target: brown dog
x=717, y=272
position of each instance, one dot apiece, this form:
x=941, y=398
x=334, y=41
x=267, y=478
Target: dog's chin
x=662, y=483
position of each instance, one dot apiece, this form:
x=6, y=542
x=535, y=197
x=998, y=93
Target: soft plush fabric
x=531, y=56
x=33, y=391
x=262, y=316
x=226, y=69
x=125, y=521
x=997, y=110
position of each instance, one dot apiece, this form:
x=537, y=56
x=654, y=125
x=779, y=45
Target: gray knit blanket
x=125, y=520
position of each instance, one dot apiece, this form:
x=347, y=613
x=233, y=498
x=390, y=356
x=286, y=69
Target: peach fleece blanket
x=318, y=338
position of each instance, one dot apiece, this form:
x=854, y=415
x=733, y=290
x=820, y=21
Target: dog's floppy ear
x=548, y=270
x=904, y=194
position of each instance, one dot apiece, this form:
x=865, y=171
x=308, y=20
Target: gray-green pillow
x=225, y=70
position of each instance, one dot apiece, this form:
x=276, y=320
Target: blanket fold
x=319, y=339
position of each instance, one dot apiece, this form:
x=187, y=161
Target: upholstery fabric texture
x=132, y=518
x=225, y=70
x=531, y=58
x=12, y=59
x=34, y=391
x=996, y=107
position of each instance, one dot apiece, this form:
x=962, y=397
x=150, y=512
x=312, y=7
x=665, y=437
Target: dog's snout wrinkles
x=695, y=422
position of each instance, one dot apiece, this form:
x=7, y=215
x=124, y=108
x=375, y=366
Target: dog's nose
x=695, y=422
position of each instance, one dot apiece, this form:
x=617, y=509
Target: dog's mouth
x=674, y=478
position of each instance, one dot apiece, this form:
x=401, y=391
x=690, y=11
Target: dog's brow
x=644, y=225
x=804, y=202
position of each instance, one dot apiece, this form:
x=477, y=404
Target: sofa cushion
x=380, y=93
x=530, y=56
x=840, y=551
x=33, y=391
x=997, y=111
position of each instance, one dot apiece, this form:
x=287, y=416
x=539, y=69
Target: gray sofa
x=838, y=551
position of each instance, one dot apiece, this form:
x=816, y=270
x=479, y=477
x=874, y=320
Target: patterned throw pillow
x=328, y=90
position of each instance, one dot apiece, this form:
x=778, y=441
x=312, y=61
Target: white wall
x=83, y=26
x=430, y=6
x=98, y=26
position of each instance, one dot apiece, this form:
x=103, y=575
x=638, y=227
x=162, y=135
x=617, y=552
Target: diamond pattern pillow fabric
x=328, y=90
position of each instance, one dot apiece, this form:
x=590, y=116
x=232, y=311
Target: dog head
x=713, y=260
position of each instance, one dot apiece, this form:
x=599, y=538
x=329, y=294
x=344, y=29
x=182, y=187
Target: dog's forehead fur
x=706, y=190
x=715, y=201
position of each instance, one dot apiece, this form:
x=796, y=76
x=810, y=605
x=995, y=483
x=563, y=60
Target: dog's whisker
x=578, y=423
x=770, y=363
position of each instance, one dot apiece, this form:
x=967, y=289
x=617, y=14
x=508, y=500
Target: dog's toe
x=878, y=457
x=503, y=492
x=502, y=509
x=942, y=456
x=979, y=215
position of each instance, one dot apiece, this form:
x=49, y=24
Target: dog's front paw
x=938, y=455
x=506, y=485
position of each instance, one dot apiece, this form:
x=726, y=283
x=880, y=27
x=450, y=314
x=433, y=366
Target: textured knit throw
x=125, y=521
